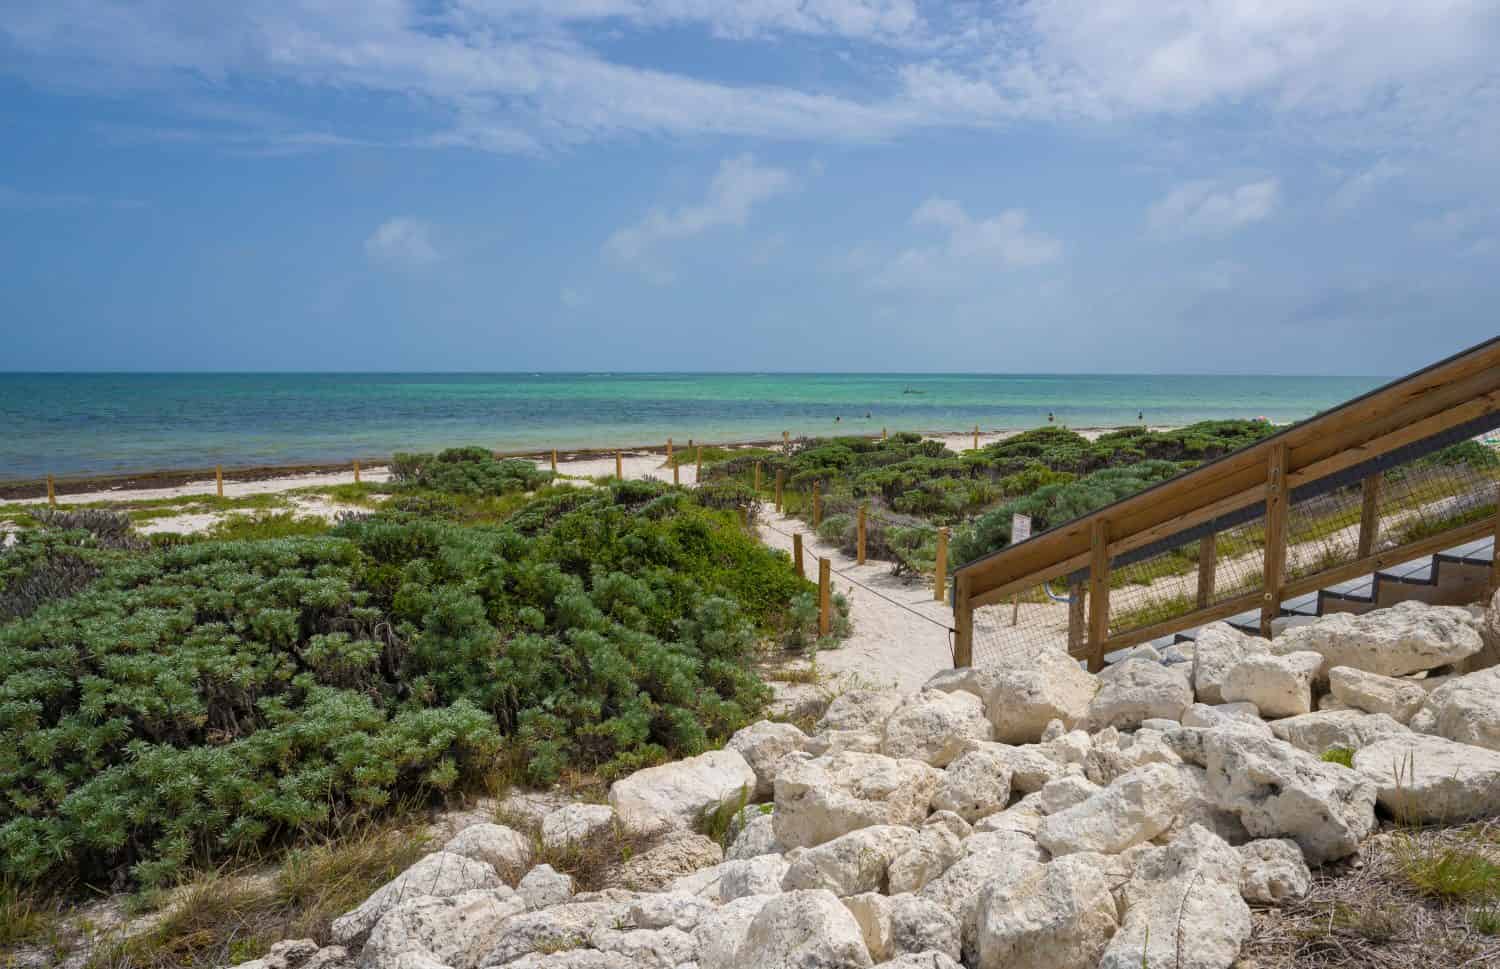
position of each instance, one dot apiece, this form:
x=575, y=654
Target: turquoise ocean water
x=102, y=423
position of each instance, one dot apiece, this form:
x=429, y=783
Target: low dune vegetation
x=170, y=705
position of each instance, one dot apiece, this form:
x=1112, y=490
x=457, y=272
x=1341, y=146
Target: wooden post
x=940, y=568
x=698, y=471
x=780, y=480
x=817, y=504
x=356, y=471
x=1015, y=609
x=51, y=492
x=797, y=554
x=619, y=471
x=825, y=603
x=883, y=435
x=1208, y=569
x=1369, y=516
x=976, y=437
x=554, y=460
x=1275, y=566
x=669, y=450
x=1098, y=593
x=757, y=477
x=219, y=480
x=859, y=538
x=963, y=624
x=1077, y=618
x=676, y=473
x=786, y=439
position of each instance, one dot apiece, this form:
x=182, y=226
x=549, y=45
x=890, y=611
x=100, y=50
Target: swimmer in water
x=1050, y=418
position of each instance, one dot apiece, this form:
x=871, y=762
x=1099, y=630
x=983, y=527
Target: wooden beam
x=1275, y=553
x=859, y=538
x=554, y=460
x=356, y=471
x=1208, y=569
x=1198, y=617
x=1077, y=618
x=1098, y=594
x=797, y=555
x=1369, y=515
x=963, y=625
x=825, y=597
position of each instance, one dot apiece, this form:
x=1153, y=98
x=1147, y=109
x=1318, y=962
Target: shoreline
x=25, y=489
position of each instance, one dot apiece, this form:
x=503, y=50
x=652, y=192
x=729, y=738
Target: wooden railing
x=1446, y=402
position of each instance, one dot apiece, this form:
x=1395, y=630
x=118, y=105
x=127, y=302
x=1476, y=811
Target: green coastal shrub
x=188, y=703
x=467, y=471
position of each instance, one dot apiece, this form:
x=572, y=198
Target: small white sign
x=1020, y=528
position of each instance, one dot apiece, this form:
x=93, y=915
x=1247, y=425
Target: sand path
x=900, y=636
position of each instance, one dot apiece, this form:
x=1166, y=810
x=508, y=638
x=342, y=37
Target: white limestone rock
x=1137, y=690
x=1407, y=638
x=1218, y=648
x=440, y=874
x=719, y=933
x=903, y=924
x=676, y=855
x=930, y=853
x=564, y=959
x=762, y=875
x=934, y=727
x=1183, y=907
x=1399, y=699
x=1065, y=792
x=974, y=785
x=1273, y=871
x=1318, y=732
x=819, y=799
x=1055, y=916
x=560, y=927
x=577, y=824
x=757, y=837
x=1421, y=779
x=1003, y=855
x=764, y=745
x=922, y=960
x=457, y=930
x=802, y=930
x=860, y=710
x=1200, y=807
x=1279, y=791
x=300, y=954
x=1021, y=700
x=1118, y=756
x=658, y=910
x=677, y=796
x=1217, y=715
x=1132, y=810
x=852, y=863
x=1464, y=709
x=1279, y=684
x=544, y=886
x=506, y=850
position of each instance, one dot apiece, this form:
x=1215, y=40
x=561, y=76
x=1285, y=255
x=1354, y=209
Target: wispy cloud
x=1203, y=208
x=1358, y=188
x=971, y=249
x=402, y=243
x=740, y=185
x=12, y=198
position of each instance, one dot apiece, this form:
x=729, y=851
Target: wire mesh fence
x=1424, y=491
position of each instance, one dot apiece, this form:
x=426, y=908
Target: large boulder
x=851, y=863
x=1273, y=871
x=756, y=837
x=1319, y=732
x=1422, y=779
x=458, y=930
x=1465, y=709
x=577, y=824
x=957, y=889
x=679, y=795
x=440, y=874
x=802, y=930
x=566, y=926
x=1115, y=756
x=1222, y=714
x=903, y=924
x=764, y=744
x=677, y=855
x=1406, y=638
x=935, y=847
x=974, y=785
x=1022, y=700
x=1280, y=685
x=1054, y=916
x=1279, y=791
x=821, y=798
x=762, y=875
x=1183, y=907
x=300, y=954
x=1138, y=689
x=934, y=727
x=506, y=850
x=1200, y=807
x=1399, y=699
x=545, y=886
x=1134, y=809
x=1218, y=648
x=719, y=933
x=860, y=710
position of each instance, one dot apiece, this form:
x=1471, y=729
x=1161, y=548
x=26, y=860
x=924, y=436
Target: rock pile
x=996, y=819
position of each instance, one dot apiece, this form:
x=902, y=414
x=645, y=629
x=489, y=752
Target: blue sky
x=1055, y=185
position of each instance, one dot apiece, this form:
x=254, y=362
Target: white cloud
x=1202, y=208
x=1447, y=226
x=402, y=243
x=1360, y=186
x=972, y=248
x=739, y=185
x=856, y=19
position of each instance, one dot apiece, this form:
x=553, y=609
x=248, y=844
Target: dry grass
x=1425, y=899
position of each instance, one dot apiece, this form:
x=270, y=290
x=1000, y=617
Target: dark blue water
x=98, y=423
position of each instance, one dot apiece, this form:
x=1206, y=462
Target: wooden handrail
x=1454, y=392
